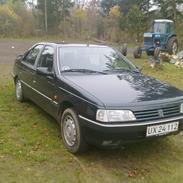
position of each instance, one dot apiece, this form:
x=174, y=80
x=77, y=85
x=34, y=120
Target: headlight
x=115, y=115
x=157, y=42
x=181, y=108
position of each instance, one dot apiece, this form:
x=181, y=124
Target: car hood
x=124, y=89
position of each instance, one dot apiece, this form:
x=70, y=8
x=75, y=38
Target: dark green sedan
x=97, y=95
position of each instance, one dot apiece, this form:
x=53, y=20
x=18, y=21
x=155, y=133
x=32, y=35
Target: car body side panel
x=27, y=76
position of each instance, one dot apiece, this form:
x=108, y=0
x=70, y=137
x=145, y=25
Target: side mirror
x=19, y=57
x=44, y=72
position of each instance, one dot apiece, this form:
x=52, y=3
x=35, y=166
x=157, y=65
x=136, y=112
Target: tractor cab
x=163, y=27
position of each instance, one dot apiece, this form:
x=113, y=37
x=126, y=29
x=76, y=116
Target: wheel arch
x=63, y=106
x=15, y=78
x=171, y=36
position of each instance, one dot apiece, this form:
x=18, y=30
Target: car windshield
x=96, y=59
x=159, y=27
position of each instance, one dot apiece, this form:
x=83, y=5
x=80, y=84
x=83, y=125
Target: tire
x=137, y=53
x=172, y=45
x=18, y=91
x=156, y=52
x=150, y=53
x=71, y=132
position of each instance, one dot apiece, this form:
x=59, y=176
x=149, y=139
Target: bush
x=9, y=21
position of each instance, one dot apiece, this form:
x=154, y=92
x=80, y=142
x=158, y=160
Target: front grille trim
x=148, y=39
x=154, y=114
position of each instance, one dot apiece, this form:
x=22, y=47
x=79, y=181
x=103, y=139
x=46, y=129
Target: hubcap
x=174, y=49
x=18, y=90
x=69, y=130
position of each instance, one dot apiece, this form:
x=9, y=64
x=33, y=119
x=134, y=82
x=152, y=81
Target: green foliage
x=169, y=9
x=79, y=19
x=111, y=20
x=26, y=19
x=108, y=4
x=57, y=11
x=114, y=12
x=100, y=28
x=8, y=20
x=15, y=19
x=135, y=22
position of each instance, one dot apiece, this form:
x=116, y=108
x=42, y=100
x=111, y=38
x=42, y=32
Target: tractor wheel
x=124, y=50
x=172, y=46
x=137, y=53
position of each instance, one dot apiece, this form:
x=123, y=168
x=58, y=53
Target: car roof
x=63, y=44
x=163, y=20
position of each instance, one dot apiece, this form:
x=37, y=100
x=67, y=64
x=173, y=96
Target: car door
x=45, y=83
x=27, y=71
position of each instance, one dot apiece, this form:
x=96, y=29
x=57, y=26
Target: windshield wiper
x=117, y=70
x=83, y=71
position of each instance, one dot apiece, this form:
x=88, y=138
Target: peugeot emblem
x=161, y=113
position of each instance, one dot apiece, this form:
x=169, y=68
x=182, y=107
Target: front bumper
x=120, y=134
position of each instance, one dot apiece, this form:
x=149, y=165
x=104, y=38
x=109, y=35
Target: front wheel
x=72, y=133
x=19, y=91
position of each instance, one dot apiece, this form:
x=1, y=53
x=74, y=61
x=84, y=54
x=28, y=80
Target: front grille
x=158, y=113
x=148, y=39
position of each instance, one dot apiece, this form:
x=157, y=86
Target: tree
x=106, y=5
x=57, y=11
x=135, y=22
x=145, y=5
x=79, y=17
x=114, y=15
x=8, y=21
x=26, y=19
x=169, y=9
x=114, y=12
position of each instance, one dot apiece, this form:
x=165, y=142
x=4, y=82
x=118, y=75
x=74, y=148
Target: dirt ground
x=9, y=49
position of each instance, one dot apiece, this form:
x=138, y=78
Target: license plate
x=163, y=129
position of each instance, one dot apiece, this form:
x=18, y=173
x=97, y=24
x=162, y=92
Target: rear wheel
x=19, y=91
x=72, y=133
x=137, y=53
x=172, y=45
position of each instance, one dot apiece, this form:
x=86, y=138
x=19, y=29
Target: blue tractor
x=161, y=38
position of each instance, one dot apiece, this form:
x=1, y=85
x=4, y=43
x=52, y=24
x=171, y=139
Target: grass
x=31, y=149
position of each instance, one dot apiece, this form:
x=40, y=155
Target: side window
x=168, y=28
x=172, y=28
x=31, y=57
x=46, y=58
